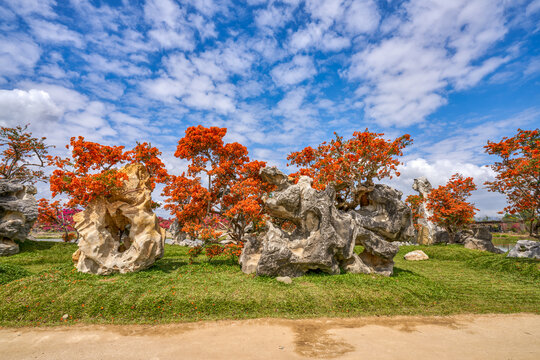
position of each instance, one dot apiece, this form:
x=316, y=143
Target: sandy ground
x=455, y=337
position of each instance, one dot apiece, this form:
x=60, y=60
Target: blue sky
x=280, y=75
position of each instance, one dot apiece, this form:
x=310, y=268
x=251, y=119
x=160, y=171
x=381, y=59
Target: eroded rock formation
x=428, y=232
x=18, y=213
x=526, y=249
x=324, y=237
x=120, y=234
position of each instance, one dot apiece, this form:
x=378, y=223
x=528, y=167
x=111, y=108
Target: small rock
x=284, y=279
x=65, y=317
x=416, y=255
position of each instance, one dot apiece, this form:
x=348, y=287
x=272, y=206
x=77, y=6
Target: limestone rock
x=284, y=279
x=324, y=237
x=428, y=233
x=8, y=247
x=479, y=238
x=18, y=213
x=526, y=249
x=120, y=234
x=416, y=255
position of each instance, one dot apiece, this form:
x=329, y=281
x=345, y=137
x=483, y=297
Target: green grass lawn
x=508, y=238
x=39, y=285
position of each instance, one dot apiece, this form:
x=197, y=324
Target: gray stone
x=284, y=279
x=18, y=213
x=526, y=249
x=428, y=232
x=416, y=255
x=324, y=237
x=8, y=247
x=478, y=238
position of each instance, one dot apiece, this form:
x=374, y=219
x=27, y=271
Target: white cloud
x=439, y=171
x=361, y=16
x=99, y=63
x=273, y=17
x=169, y=24
x=19, y=107
x=30, y=7
x=102, y=87
x=334, y=23
x=439, y=44
x=533, y=7
x=54, y=32
x=533, y=67
x=18, y=54
x=199, y=84
x=300, y=68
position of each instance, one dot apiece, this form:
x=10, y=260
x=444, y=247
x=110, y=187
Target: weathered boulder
x=525, y=249
x=120, y=234
x=324, y=237
x=416, y=255
x=428, y=232
x=479, y=238
x=18, y=213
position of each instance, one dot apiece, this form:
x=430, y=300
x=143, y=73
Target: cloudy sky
x=280, y=75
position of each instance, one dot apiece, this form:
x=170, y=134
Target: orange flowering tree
x=352, y=165
x=56, y=216
x=518, y=174
x=414, y=202
x=449, y=204
x=92, y=170
x=22, y=156
x=221, y=191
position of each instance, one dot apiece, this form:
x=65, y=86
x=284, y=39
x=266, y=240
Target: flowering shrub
x=58, y=218
x=165, y=223
x=518, y=174
x=414, y=202
x=449, y=203
x=229, y=201
x=22, y=156
x=350, y=165
x=92, y=170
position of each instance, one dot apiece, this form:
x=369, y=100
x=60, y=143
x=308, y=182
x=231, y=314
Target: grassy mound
x=454, y=280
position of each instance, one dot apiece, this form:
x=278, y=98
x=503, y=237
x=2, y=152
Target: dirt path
x=455, y=337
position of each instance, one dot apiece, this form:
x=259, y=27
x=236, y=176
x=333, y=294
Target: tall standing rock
x=120, y=234
x=428, y=232
x=324, y=237
x=18, y=213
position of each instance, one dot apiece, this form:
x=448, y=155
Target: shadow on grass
x=167, y=265
x=398, y=272
x=32, y=246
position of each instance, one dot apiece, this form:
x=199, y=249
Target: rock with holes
x=18, y=213
x=324, y=237
x=120, y=234
x=526, y=249
x=478, y=238
x=428, y=232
